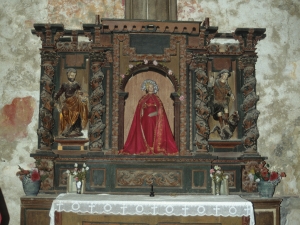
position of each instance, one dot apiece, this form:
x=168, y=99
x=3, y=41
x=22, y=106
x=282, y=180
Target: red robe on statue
x=150, y=132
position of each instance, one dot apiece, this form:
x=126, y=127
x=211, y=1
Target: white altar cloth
x=164, y=205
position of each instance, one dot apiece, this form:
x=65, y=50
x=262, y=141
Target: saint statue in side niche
x=150, y=132
x=73, y=106
x=221, y=96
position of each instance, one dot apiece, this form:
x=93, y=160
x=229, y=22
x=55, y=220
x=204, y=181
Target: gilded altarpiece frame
x=110, y=53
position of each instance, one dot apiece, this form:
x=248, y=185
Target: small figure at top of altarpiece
x=72, y=106
x=150, y=132
x=221, y=96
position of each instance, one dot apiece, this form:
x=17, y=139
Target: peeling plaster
x=15, y=117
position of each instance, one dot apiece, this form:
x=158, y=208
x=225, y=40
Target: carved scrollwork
x=250, y=119
x=57, y=36
x=213, y=48
x=251, y=133
x=250, y=102
x=64, y=46
x=135, y=178
x=46, y=111
x=202, y=111
x=224, y=49
x=239, y=39
x=202, y=38
x=97, y=110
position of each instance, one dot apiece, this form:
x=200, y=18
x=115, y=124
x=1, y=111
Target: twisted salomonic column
x=202, y=111
x=97, y=109
x=251, y=133
x=49, y=35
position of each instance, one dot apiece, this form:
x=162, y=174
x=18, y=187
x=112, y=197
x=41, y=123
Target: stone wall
x=277, y=73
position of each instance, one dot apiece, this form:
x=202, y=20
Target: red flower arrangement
x=33, y=174
x=263, y=173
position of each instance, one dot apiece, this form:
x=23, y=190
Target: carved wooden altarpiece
x=112, y=58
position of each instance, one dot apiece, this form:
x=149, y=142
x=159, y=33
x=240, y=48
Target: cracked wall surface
x=277, y=74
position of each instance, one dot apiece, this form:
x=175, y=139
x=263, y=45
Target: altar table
x=160, y=205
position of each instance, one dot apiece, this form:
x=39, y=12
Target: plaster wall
x=277, y=73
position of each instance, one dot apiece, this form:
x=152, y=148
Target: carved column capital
x=100, y=57
x=249, y=37
x=198, y=60
x=49, y=56
x=247, y=61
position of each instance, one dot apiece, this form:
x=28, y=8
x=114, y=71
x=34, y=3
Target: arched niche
x=130, y=93
x=133, y=88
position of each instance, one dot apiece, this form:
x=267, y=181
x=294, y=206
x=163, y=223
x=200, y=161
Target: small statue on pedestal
x=72, y=107
x=221, y=96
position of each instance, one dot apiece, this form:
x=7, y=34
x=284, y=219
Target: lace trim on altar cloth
x=180, y=205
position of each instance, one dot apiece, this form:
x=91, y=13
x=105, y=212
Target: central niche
x=133, y=88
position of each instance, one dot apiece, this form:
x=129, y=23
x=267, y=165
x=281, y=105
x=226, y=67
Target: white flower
x=68, y=172
x=84, y=165
x=170, y=72
x=82, y=169
x=130, y=66
x=217, y=168
x=75, y=165
x=145, y=61
x=75, y=173
x=257, y=180
x=181, y=98
x=251, y=177
x=87, y=168
x=155, y=62
x=211, y=175
x=226, y=177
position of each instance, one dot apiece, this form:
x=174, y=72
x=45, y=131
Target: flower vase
x=71, y=184
x=224, y=187
x=217, y=180
x=79, y=186
x=31, y=188
x=265, y=189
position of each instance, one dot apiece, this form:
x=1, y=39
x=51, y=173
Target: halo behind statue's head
x=224, y=71
x=71, y=70
x=147, y=82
